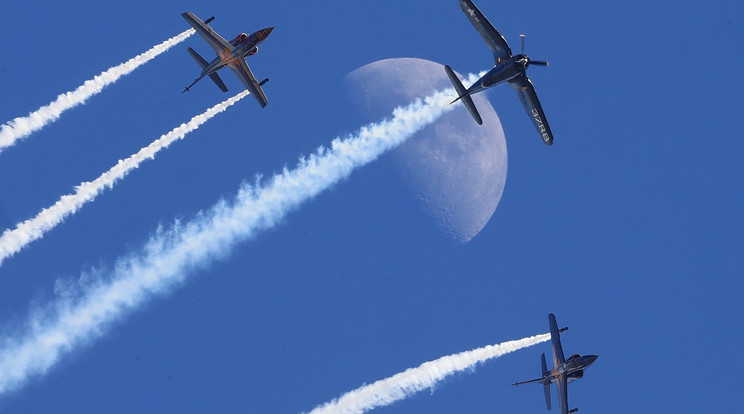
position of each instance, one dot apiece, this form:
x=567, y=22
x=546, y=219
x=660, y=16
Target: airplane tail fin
x=203, y=64
x=546, y=386
x=462, y=94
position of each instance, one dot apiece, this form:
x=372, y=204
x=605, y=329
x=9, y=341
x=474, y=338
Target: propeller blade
x=521, y=39
x=539, y=62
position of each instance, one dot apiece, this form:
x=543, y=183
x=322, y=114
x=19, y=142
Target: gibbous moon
x=455, y=167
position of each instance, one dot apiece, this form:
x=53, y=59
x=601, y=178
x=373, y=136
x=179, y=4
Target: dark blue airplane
x=564, y=370
x=508, y=68
x=231, y=54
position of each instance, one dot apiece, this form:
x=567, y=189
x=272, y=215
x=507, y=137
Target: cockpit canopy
x=574, y=356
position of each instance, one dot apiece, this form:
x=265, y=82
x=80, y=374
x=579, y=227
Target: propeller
x=532, y=62
x=521, y=40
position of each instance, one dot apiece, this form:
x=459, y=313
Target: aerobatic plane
x=564, y=370
x=507, y=68
x=231, y=54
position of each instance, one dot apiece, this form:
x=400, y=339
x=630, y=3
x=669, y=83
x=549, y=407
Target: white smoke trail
x=21, y=127
x=171, y=254
x=12, y=241
x=399, y=386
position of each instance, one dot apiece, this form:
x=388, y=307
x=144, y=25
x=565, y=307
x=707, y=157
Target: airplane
x=564, y=370
x=507, y=68
x=231, y=54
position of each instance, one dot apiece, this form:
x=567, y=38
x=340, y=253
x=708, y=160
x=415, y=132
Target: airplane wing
x=561, y=381
x=555, y=338
x=244, y=73
x=493, y=38
x=528, y=96
x=218, y=43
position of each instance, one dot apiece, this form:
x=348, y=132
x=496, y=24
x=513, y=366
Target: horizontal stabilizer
x=200, y=60
x=217, y=81
x=203, y=64
x=462, y=94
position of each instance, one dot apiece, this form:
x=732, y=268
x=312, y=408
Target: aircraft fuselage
x=508, y=68
x=245, y=45
x=574, y=367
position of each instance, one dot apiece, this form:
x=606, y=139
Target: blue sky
x=627, y=228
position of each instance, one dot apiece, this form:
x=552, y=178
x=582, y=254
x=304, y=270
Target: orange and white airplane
x=230, y=54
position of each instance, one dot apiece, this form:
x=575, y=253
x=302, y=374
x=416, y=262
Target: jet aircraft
x=231, y=54
x=507, y=68
x=564, y=370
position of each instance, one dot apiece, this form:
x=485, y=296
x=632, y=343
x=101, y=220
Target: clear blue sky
x=628, y=228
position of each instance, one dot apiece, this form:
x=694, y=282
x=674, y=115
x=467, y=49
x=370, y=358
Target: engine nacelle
x=239, y=39
x=251, y=52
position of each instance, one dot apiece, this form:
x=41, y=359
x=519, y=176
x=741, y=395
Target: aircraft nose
x=264, y=33
x=591, y=358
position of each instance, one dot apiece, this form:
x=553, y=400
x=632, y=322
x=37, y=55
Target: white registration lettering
x=536, y=115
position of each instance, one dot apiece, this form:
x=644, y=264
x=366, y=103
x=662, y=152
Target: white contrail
x=12, y=241
x=166, y=259
x=402, y=385
x=23, y=126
